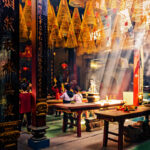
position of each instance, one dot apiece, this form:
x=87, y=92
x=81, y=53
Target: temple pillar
x=9, y=74
x=39, y=74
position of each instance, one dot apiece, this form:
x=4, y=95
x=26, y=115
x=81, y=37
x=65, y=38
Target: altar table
x=119, y=116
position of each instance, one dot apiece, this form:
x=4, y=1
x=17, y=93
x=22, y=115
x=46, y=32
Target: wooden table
x=119, y=116
x=78, y=108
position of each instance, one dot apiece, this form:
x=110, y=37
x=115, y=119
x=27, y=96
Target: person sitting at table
x=77, y=97
x=67, y=98
x=67, y=95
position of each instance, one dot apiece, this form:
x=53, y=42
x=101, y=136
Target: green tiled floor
x=143, y=146
x=55, y=127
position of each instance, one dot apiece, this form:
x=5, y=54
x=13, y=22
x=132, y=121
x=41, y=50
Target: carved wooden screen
x=9, y=60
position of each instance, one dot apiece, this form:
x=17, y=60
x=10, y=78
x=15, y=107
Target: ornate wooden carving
x=8, y=135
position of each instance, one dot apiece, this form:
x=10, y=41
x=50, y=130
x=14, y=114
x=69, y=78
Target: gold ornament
x=63, y=12
x=71, y=38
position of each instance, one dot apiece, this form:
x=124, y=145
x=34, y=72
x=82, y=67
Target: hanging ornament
x=71, y=38
x=122, y=5
x=30, y=36
x=137, y=10
x=51, y=16
x=128, y=6
x=89, y=16
x=64, y=27
x=27, y=13
x=100, y=6
x=55, y=38
x=99, y=33
x=113, y=5
x=143, y=25
x=76, y=22
x=20, y=11
x=23, y=31
x=77, y=3
x=85, y=41
x=63, y=12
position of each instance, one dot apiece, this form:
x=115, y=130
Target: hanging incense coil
x=27, y=13
x=71, y=38
x=55, y=37
x=63, y=12
x=122, y=5
x=76, y=22
x=84, y=35
x=112, y=4
x=137, y=10
x=64, y=28
x=51, y=16
x=20, y=11
x=23, y=31
x=100, y=6
x=89, y=15
x=142, y=25
x=77, y=3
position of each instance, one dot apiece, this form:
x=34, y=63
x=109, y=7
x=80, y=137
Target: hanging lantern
x=89, y=16
x=63, y=12
x=71, y=38
x=76, y=22
x=25, y=68
x=77, y=3
x=64, y=66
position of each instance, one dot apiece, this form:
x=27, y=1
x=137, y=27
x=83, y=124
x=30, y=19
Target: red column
x=136, y=77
